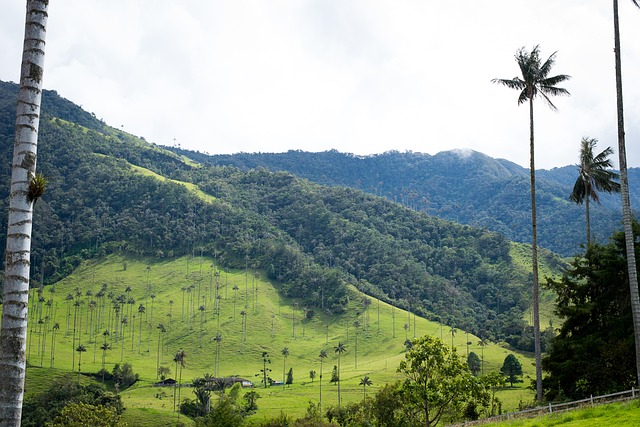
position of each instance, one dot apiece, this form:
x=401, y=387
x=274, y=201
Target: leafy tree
x=511, y=368
x=593, y=352
x=493, y=381
x=289, y=377
x=595, y=175
x=436, y=382
x=26, y=188
x=83, y=414
x=163, y=372
x=312, y=375
x=627, y=216
x=45, y=407
x=250, y=402
x=535, y=82
x=124, y=375
x=335, y=376
x=474, y=363
x=223, y=414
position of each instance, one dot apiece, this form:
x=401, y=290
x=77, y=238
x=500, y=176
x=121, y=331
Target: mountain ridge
x=465, y=186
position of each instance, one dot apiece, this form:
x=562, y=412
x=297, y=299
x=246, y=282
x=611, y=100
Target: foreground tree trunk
x=17, y=255
x=624, y=189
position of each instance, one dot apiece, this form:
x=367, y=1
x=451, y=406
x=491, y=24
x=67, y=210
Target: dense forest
x=312, y=239
x=459, y=185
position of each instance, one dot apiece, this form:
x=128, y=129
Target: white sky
x=360, y=76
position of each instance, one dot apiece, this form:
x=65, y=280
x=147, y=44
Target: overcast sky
x=359, y=76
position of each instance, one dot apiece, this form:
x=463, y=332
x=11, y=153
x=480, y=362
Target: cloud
x=363, y=76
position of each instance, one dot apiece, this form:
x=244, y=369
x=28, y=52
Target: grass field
x=613, y=415
x=180, y=287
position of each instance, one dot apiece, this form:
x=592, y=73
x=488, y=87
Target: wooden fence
x=555, y=408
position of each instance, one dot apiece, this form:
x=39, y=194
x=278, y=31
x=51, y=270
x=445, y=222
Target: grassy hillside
x=272, y=323
x=625, y=414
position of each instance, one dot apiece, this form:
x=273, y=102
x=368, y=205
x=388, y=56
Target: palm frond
x=514, y=83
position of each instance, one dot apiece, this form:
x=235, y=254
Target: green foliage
x=224, y=413
x=289, y=379
x=82, y=415
x=474, y=363
x=471, y=188
x=511, y=368
x=45, y=407
x=437, y=383
x=335, y=376
x=124, y=376
x=594, y=350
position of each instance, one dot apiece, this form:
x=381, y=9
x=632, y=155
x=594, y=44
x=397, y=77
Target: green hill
x=272, y=323
x=110, y=192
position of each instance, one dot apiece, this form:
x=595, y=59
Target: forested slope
x=459, y=185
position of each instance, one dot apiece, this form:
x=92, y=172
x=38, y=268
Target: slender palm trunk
x=534, y=260
x=624, y=190
x=586, y=204
x=18, y=247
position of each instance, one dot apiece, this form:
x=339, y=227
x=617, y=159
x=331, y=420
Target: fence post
x=550, y=408
x=591, y=400
x=633, y=392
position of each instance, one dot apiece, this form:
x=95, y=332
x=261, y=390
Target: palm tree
x=216, y=366
x=453, y=334
x=243, y=313
x=202, y=309
x=54, y=329
x=161, y=330
x=180, y=360
x=322, y=356
x=364, y=382
x=340, y=348
x=104, y=347
x=624, y=189
x=535, y=82
x=483, y=343
x=285, y=353
x=595, y=175
x=80, y=349
x=26, y=188
x=235, y=290
x=141, y=311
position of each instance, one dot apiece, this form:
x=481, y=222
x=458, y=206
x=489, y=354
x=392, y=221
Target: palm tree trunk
x=586, y=204
x=534, y=260
x=624, y=190
x=18, y=247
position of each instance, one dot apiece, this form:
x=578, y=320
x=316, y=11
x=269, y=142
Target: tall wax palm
x=54, y=329
x=25, y=188
x=179, y=358
x=322, y=356
x=216, y=365
x=141, y=311
x=80, y=349
x=535, y=82
x=595, y=175
x=285, y=353
x=340, y=348
x=364, y=382
x=624, y=189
